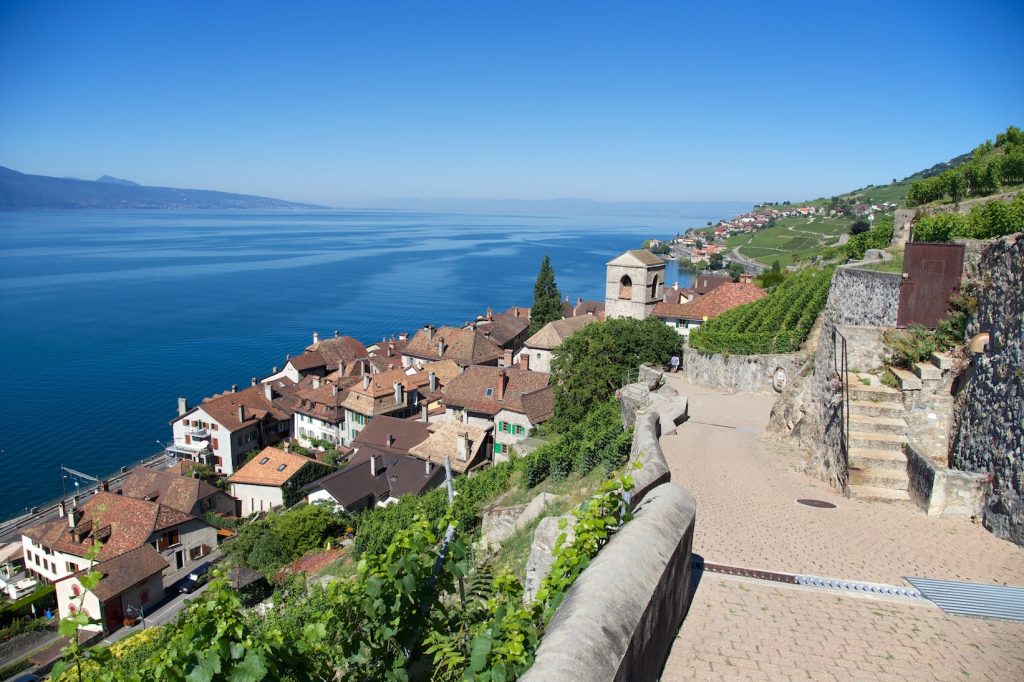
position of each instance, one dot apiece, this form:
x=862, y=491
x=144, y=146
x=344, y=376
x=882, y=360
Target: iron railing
x=841, y=367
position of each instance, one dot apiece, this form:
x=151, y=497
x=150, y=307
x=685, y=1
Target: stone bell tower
x=634, y=283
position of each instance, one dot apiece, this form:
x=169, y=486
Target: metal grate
x=810, y=580
x=973, y=599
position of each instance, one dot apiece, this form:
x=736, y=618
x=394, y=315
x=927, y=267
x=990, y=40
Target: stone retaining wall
x=739, y=373
x=943, y=492
x=620, y=617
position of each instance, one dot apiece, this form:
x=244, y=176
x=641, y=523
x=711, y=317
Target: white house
x=259, y=485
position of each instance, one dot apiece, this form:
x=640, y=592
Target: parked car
x=196, y=578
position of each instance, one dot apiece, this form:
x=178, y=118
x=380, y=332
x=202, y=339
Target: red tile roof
x=463, y=346
x=271, y=467
x=167, y=488
x=476, y=390
x=712, y=304
x=124, y=571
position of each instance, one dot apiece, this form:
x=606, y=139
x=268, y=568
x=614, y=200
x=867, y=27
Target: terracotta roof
x=595, y=308
x=124, y=571
x=322, y=398
x=538, y=406
x=120, y=523
x=463, y=346
x=554, y=333
x=396, y=476
x=308, y=360
x=271, y=467
x=476, y=389
x=175, y=491
x=339, y=352
x=519, y=311
x=444, y=370
x=712, y=304
x=406, y=433
x=637, y=257
x=502, y=329
x=444, y=440
x=223, y=408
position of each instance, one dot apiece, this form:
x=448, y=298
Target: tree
x=547, y=299
x=735, y=270
x=591, y=364
x=716, y=261
x=957, y=187
x=860, y=226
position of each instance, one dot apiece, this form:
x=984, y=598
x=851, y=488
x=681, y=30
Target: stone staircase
x=876, y=464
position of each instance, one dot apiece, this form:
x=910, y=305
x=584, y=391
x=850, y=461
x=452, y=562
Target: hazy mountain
x=19, y=190
x=650, y=209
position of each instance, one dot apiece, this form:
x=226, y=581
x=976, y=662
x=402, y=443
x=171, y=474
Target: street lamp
x=142, y=614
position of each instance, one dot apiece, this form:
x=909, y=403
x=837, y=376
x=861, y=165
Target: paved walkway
x=746, y=489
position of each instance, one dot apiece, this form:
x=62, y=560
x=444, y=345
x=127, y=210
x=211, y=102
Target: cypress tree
x=547, y=299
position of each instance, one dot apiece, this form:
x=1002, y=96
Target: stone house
x=538, y=350
x=272, y=478
x=463, y=346
x=465, y=445
x=634, y=283
x=683, y=317
x=184, y=493
x=393, y=393
x=320, y=414
x=220, y=430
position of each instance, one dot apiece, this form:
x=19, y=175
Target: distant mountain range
x=19, y=190
x=681, y=210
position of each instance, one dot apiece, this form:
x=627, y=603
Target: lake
x=106, y=317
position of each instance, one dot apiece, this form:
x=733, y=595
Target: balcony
x=197, y=432
x=189, y=449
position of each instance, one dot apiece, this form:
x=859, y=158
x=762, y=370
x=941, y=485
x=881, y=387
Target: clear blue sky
x=341, y=101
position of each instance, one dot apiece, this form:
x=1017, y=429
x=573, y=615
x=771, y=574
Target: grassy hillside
x=799, y=237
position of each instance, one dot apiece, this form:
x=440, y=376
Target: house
x=465, y=445
x=539, y=349
x=130, y=582
x=58, y=548
x=272, y=478
x=707, y=283
x=686, y=316
x=220, y=430
x=342, y=354
x=634, y=282
x=511, y=400
x=463, y=346
x=320, y=414
x=507, y=331
x=393, y=393
x=372, y=480
x=582, y=308
x=389, y=436
x=184, y=493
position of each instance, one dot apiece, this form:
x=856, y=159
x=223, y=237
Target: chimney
x=61, y=510
x=105, y=486
x=426, y=467
x=440, y=348
x=391, y=349
x=502, y=380
x=334, y=389
x=515, y=311
x=374, y=465
x=391, y=440
x=274, y=371
x=462, y=448
x=430, y=331
x=241, y=412
x=316, y=338
x=424, y=416
x=432, y=378
x=74, y=516
x=254, y=381
x=403, y=336
x=366, y=381
x=316, y=382
x=506, y=360
x=490, y=315
x=579, y=300
x=234, y=388
x=182, y=406
x=398, y=393
x=524, y=361
x=268, y=391
x=337, y=334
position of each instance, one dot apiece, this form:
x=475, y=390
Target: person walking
x=674, y=363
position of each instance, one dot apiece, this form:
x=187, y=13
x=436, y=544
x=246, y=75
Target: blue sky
x=346, y=101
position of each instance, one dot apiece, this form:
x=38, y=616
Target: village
x=353, y=425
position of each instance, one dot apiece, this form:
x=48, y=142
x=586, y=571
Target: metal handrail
x=840, y=363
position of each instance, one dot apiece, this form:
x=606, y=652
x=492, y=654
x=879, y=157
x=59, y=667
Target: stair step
x=866, y=492
x=868, y=424
x=874, y=393
x=873, y=408
x=868, y=458
x=944, y=361
x=879, y=478
x=927, y=371
x=877, y=441
x=908, y=380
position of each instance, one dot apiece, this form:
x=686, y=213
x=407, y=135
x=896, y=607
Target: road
x=161, y=615
x=740, y=258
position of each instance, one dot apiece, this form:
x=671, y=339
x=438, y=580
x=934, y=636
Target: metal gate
x=931, y=274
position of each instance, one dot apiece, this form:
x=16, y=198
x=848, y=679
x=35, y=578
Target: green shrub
x=907, y=346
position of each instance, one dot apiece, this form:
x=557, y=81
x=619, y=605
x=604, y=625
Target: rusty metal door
x=931, y=274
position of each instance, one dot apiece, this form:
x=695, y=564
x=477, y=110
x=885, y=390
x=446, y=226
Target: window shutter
x=215, y=444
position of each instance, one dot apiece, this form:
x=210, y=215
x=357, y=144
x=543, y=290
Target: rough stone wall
x=989, y=434
x=810, y=408
x=901, y=225
x=740, y=373
x=865, y=347
x=943, y=492
x=929, y=416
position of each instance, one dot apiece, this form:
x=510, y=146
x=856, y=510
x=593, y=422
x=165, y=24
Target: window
x=264, y=460
x=282, y=467
x=71, y=568
x=215, y=444
x=187, y=423
x=519, y=430
x=219, y=460
x=626, y=288
x=213, y=426
x=488, y=392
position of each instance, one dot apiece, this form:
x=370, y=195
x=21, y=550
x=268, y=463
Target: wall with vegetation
x=620, y=617
x=989, y=434
x=740, y=373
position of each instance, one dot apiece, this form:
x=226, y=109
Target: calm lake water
x=106, y=317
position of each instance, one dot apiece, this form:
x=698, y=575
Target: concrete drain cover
x=820, y=504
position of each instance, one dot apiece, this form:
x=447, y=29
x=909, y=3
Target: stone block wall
x=989, y=431
x=740, y=373
x=943, y=492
